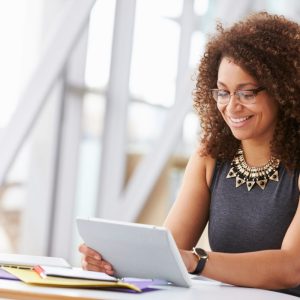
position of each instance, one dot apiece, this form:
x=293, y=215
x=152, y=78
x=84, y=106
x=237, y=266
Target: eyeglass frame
x=237, y=93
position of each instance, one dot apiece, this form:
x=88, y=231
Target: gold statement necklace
x=252, y=175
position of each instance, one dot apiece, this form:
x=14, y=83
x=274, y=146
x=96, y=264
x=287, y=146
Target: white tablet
x=136, y=250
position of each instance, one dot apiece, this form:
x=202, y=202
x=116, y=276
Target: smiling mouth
x=239, y=120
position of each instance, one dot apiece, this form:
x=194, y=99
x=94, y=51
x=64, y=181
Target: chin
x=241, y=135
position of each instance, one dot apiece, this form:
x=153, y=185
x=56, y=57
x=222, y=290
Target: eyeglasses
x=244, y=96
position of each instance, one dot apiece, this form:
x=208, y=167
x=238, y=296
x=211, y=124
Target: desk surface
x=201, y=289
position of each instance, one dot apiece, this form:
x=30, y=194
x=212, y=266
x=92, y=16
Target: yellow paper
x=31, y=277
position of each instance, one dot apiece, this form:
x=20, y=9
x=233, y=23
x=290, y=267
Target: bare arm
x=189, y=215
x=269, y=269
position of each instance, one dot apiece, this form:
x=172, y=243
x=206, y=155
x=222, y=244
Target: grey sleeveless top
x=245, y=221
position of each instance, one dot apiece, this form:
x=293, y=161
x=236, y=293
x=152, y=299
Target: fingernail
x=107, y=267
x=97, y=257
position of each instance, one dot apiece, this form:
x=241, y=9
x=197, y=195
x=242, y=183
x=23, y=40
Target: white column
x=63, y=221
x=37, y=213
x=113, y=158
x=187, y=27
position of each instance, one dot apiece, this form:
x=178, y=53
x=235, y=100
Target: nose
x=234, y=103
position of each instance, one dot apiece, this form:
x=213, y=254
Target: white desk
x=200, y=290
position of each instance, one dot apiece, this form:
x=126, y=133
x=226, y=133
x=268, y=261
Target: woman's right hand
x=92, y=261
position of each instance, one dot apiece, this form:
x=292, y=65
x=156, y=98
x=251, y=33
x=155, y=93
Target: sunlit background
x=167, y=42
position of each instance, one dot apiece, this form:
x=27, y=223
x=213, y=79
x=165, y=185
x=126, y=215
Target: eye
x=247, y=95
x=223, y=94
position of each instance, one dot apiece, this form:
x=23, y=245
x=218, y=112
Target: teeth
x=239, y=119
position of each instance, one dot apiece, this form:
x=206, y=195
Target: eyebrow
x=241, y=85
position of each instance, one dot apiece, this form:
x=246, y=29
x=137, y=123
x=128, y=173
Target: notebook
x=136, y=250
x=32, y=277
x=78, y=273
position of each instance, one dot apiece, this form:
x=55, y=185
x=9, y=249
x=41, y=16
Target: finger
x=99, y=263
x=85, y=250
x=92, y=261
x=89, y=267
x=99, y=267
x=111, y=272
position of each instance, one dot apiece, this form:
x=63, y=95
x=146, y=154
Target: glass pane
x=93, y=115
x=99, y=43
x=12, y=202
x=145, y=124
x=190, y=133
x=288, y=8
x=90, y=152
x=155, y=51
x=201, y=6
x=12, y=32
x=197, y=48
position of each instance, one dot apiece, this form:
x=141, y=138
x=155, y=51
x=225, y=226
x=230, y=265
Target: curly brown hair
x=268, y=48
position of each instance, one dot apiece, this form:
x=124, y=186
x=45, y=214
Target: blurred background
x=96, y=115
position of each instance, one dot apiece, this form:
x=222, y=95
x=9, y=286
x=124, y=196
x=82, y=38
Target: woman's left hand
x=189, y=259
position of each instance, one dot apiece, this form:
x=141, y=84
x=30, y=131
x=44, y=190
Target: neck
x=256, y=153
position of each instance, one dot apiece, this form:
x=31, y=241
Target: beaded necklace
x=252, y=175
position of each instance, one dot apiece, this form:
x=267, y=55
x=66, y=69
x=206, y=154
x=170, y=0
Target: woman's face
x=254, y=121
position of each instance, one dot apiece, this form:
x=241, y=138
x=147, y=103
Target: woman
x=244, y=178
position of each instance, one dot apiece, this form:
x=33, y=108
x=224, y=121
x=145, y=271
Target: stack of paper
x=32, y=277
x=29, y=261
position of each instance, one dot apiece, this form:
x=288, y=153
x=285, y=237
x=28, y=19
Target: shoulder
x=203, y=165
